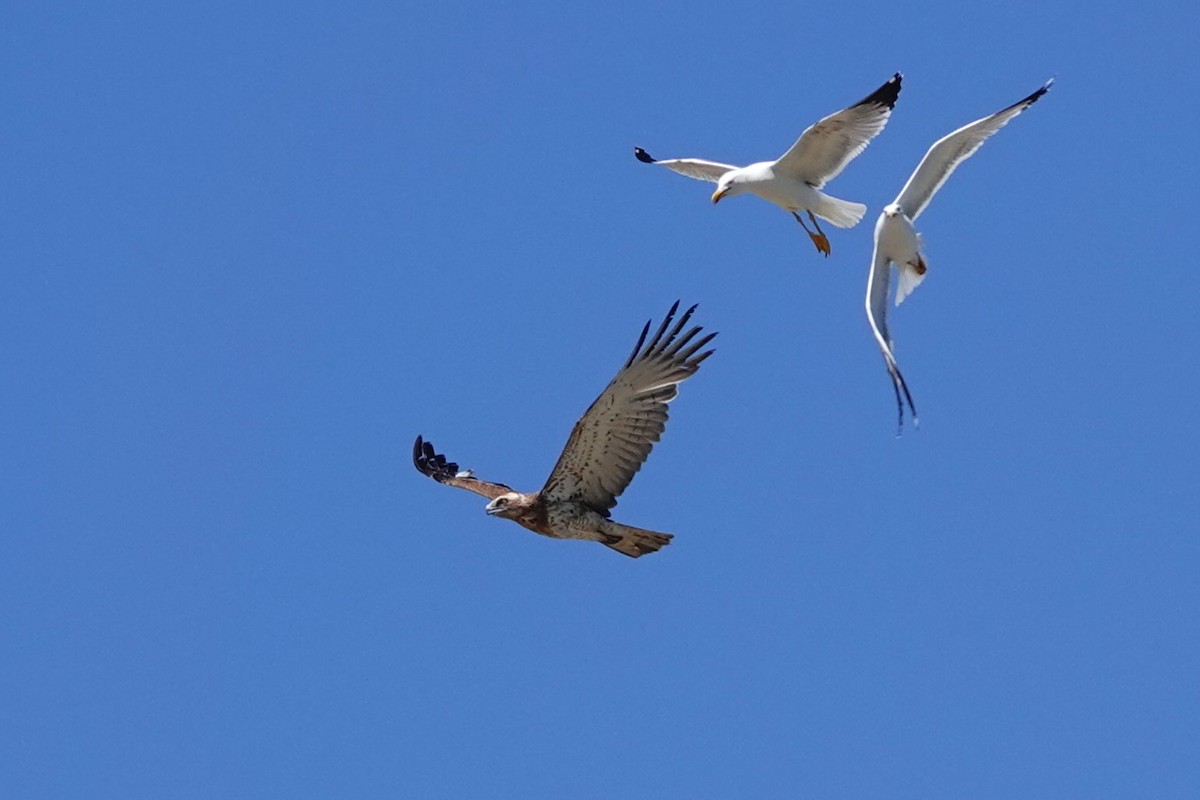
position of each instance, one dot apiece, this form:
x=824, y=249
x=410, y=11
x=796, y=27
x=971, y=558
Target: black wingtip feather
x=885, y=96
x=1025, y=102
x=900, y=385
x=681, y=342
x=687, y=354
x=1033, y=98
x=637, y=348
x=678, y=327
x=667, y=344
x=643, y=156
x=661, y=329
x=431, y=463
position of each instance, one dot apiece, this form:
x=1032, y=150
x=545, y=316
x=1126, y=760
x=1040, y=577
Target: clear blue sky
x=250, y=250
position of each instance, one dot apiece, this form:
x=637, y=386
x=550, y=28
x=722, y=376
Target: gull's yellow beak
x=718, y=194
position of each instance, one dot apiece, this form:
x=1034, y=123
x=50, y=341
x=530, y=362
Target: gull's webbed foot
x=821, y=241
x=818, y=238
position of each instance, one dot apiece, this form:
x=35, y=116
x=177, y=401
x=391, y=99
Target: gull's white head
x=893, y=210
x=508, y=505
x=730, y=183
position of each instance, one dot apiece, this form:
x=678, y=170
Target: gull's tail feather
x=632, y=541
x=909, y=277
x=841, y=213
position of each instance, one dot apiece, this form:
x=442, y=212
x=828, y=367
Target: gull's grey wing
x=953, y=149
x=876, y=305
x=613, y=438
x=827, y=147
x=429, y=462
x=696, y=168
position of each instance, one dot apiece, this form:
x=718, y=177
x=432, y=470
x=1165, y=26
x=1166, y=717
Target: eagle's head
x=509, y=505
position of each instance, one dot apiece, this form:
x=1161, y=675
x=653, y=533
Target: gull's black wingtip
x=900, y=387
x=1026, y=102
x=885, y=96
x=643, y=156
x=1044, y=88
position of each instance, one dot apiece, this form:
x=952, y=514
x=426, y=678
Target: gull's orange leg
x=819, y=239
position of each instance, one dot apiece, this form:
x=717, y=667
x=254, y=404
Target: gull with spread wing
x=896, y=238
x=794, y=181
x=607, y=447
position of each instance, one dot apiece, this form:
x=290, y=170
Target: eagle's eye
x=501, y=501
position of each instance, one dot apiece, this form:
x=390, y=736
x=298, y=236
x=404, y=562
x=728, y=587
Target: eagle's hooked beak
x=491, y=509
x=718, y=194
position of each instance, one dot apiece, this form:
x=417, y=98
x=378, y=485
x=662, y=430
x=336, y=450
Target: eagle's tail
x=632, y=541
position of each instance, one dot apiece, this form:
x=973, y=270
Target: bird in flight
x=794, y=180
x=897, y=241
x=607, y=447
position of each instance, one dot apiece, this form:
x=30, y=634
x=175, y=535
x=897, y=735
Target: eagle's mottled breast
x=534, y=517
x=569, y=520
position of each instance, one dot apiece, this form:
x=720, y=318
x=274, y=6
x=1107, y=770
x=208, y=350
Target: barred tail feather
x=631, y=541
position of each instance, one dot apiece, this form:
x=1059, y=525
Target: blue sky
x=251, y=250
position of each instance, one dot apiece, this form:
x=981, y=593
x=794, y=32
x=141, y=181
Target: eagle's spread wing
x=827, y=147
x=953, y=149
x=696, y=168
x=610, y=441
x=429, y=462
